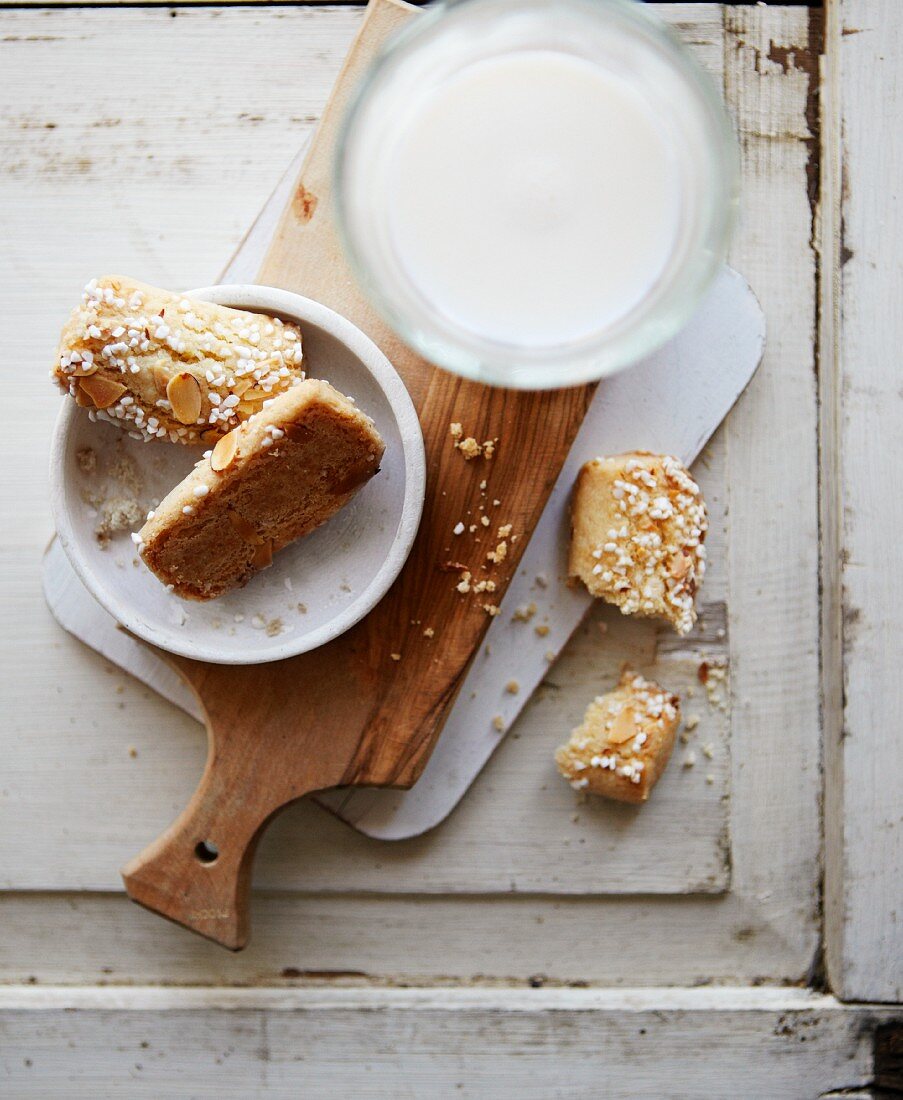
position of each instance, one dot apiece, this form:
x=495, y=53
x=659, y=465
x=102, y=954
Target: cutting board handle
x=198, y=872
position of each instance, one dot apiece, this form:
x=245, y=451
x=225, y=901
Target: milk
x=535, y=198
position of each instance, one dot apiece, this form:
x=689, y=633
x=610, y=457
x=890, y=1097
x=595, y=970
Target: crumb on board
x=691, y=723
x=429, y=632
x=524, y=614
x=498, y=724
x=512, y=687
x=395, y=656
x=542, y=630
x=468, y=445
x=86, y=457
x=274, y=627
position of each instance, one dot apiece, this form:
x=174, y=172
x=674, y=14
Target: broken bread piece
x=624, y=742
x=163, y=366
x=268, y=482
x=638, y=523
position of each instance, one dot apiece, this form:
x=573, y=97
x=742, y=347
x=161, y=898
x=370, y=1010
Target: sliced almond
x=102, y=391
x=82, y=369
x=247, y=408
x=263, y=555
x=242, y=386
x=244, y=527
x=211, y=435
x=623, y=727
x=83, y=399
x=184, y=393
x=161, y=380
x=224, y=452
x=680, y=566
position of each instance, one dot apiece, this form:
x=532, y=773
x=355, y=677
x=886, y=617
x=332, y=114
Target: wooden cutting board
x=366, y=709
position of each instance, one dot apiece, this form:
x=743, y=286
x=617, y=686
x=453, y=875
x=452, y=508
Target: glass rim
x=639, y=332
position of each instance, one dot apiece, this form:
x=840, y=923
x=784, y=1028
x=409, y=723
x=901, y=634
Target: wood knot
x=304, y=203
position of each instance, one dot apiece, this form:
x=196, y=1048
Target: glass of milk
x=536, y=193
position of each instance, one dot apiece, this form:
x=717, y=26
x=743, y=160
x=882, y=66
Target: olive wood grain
x=366, y=709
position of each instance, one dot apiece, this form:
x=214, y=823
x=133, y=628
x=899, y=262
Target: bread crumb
x=691, y=723
x=491, y=609
x=429, y=632
x=498, y=723
x=133, y=752
x=274, y=627
x=469, y=448
x=542, y=631
x=395, y=656
x=689, y=760
x=512, y=687
x=498, y=555
x=524, y=614
x=710, y=779
x=87, y=460
x=542, y=580
x=708, y=752
x=550, y=655
x=117, y=514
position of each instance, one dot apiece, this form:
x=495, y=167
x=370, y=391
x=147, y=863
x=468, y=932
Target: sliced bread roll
x=276, y=477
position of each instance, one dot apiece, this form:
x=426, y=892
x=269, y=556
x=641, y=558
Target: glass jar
x=536, y=193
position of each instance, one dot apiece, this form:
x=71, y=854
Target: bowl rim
x=374, y=361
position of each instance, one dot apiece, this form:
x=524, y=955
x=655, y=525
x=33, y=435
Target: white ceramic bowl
x=337, y=574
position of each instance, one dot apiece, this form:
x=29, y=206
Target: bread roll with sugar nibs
x=163, y=366
x=624, y=742
x=277, y=477
x=638, y=523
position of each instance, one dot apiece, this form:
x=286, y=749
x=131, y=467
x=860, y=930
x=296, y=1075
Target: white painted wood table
x=531, y=946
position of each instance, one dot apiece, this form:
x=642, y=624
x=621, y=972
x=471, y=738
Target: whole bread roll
x=163, y=366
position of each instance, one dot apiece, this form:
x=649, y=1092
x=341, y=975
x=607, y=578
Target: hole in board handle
x=206, y=851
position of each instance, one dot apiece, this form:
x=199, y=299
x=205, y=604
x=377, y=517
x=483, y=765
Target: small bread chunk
x=638, y=523
x=625, y=741
x=163, y=366
x=273, y=479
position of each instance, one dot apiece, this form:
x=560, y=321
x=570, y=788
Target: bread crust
x=275, y=478
x=162, y=366
x=638, y=524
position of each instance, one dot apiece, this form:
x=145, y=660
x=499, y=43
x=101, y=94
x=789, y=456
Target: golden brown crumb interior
x=271, y=498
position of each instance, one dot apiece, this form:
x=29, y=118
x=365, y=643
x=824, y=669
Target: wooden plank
x=863, y=439
x=409, y=939
x=474, y=1042
x=519, y=817
x=773, y=608
x=171, y=224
